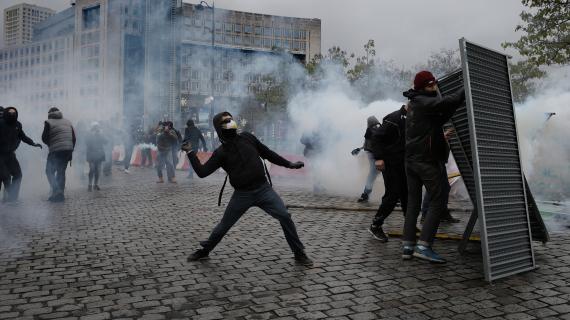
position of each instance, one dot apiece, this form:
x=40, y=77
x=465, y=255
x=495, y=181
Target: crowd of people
x=408, y=147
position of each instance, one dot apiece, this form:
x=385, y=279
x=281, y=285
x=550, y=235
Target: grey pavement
x=121, y=253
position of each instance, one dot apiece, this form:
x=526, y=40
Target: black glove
x=38, y=145
x=296, y=165
x=355, y=151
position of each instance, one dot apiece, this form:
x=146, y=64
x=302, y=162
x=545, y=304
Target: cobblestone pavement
x=121, y=253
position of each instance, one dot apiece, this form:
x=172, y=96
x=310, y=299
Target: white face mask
x=229, y=125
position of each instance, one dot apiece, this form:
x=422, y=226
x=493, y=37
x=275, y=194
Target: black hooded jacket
x=11, y=133
x=427, y=113
x=240, y=157
x=194, y=135
x=389, y=140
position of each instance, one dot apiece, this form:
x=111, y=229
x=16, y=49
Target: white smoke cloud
x=545, y=147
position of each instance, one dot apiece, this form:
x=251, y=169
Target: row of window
x=238, y=28
x=57, y=57
x=33, y=50
x=249, y=41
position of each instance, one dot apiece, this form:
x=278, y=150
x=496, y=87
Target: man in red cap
x=426, y=153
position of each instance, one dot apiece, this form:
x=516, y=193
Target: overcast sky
x=405, y=31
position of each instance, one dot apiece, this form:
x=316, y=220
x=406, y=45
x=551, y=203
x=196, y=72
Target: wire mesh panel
x=499, y=182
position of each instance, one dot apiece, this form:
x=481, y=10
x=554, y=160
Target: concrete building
x=139, y=60
x=19, y=21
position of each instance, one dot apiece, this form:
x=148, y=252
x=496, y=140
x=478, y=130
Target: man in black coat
x=193, y=135
x=388, y=146
x=11, y=134
x=426, y=153
x=240, y=155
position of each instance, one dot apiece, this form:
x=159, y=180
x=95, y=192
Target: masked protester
x=95, y=155
x=194, y=136
x=11, y=134
x=239, y=155
x=426, y=153
x=59, y=136
x=388, y=144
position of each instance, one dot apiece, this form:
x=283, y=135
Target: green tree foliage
x=547, y=32
x=365, y=64
x=523, y=76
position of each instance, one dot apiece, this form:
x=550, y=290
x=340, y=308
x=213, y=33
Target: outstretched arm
x=267, y=153
x=206, y=169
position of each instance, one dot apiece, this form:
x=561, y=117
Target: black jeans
x=55, y=170
x=128, y=155
x=395, y=188
x=269, y=201
x=10, y=176
x=426, y=174
x=94, y=172
x=446, y=190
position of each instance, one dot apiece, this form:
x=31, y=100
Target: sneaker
x=363, y=198
x=89, y=188
x=160, y=180
x=126, y=171
x=96, y=187
x=407, y=252
x=427, y=253
x=302, y=259
x=173, y=180
x=378, y=233
x=199, y=254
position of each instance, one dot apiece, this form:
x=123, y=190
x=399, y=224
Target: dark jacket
x=194, y=135
x=166, y=141
x=240, y=158
x=11, y=134
x=370, y=123
x=389, y=140
x=426, y=115
x=94, y=144
x=312, y=143
x=58, y=133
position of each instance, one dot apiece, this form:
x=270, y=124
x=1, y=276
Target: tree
x=547, y=32
x=443, y=62
x=335, y=56
x=523, y=74
x=364, y=64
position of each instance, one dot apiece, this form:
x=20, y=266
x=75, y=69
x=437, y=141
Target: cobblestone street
x=121, y=253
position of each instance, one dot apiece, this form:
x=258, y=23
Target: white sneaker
x=127, y=171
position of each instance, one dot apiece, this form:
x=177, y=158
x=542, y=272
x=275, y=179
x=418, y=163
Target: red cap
x=423, y=79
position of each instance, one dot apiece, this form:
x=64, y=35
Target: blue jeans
x=263, y=197
x=164, y=158
x=372, y=173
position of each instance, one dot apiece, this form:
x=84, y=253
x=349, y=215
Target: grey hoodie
x=371, y=122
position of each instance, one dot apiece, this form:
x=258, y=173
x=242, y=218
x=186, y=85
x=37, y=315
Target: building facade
x=141, y=60
x=19, y=21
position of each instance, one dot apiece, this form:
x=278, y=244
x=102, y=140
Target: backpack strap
x=222, y=191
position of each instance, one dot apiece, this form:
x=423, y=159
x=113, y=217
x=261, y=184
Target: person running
x=240, y=155
x=194, y=136
x=11, y=134
x=372, y=122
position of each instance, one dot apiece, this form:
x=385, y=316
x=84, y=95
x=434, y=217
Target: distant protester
x=95, y=155
x=166, y=139
x=313, y=147
x=426, y=152
x=11, y=134
x=194, y=136
x=240, y=155
x=148, y=140
x=59, y=136
x=371, y=122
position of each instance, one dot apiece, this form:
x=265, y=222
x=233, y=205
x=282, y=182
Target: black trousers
x=395, y=188
x=55, y=170
x=428, y=174
x=10, y=176
x=269, y=201
x=146, y=157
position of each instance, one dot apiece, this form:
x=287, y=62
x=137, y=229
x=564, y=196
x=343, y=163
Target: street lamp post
x=201, y=6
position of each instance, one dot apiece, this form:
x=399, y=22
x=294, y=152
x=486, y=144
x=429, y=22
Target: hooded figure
x=426, y=153
x=11, y=134
x=166, y=140
x=59, y=136
x=95, y=154
x=240, y=155
x=371, y=124
x=194, y=136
